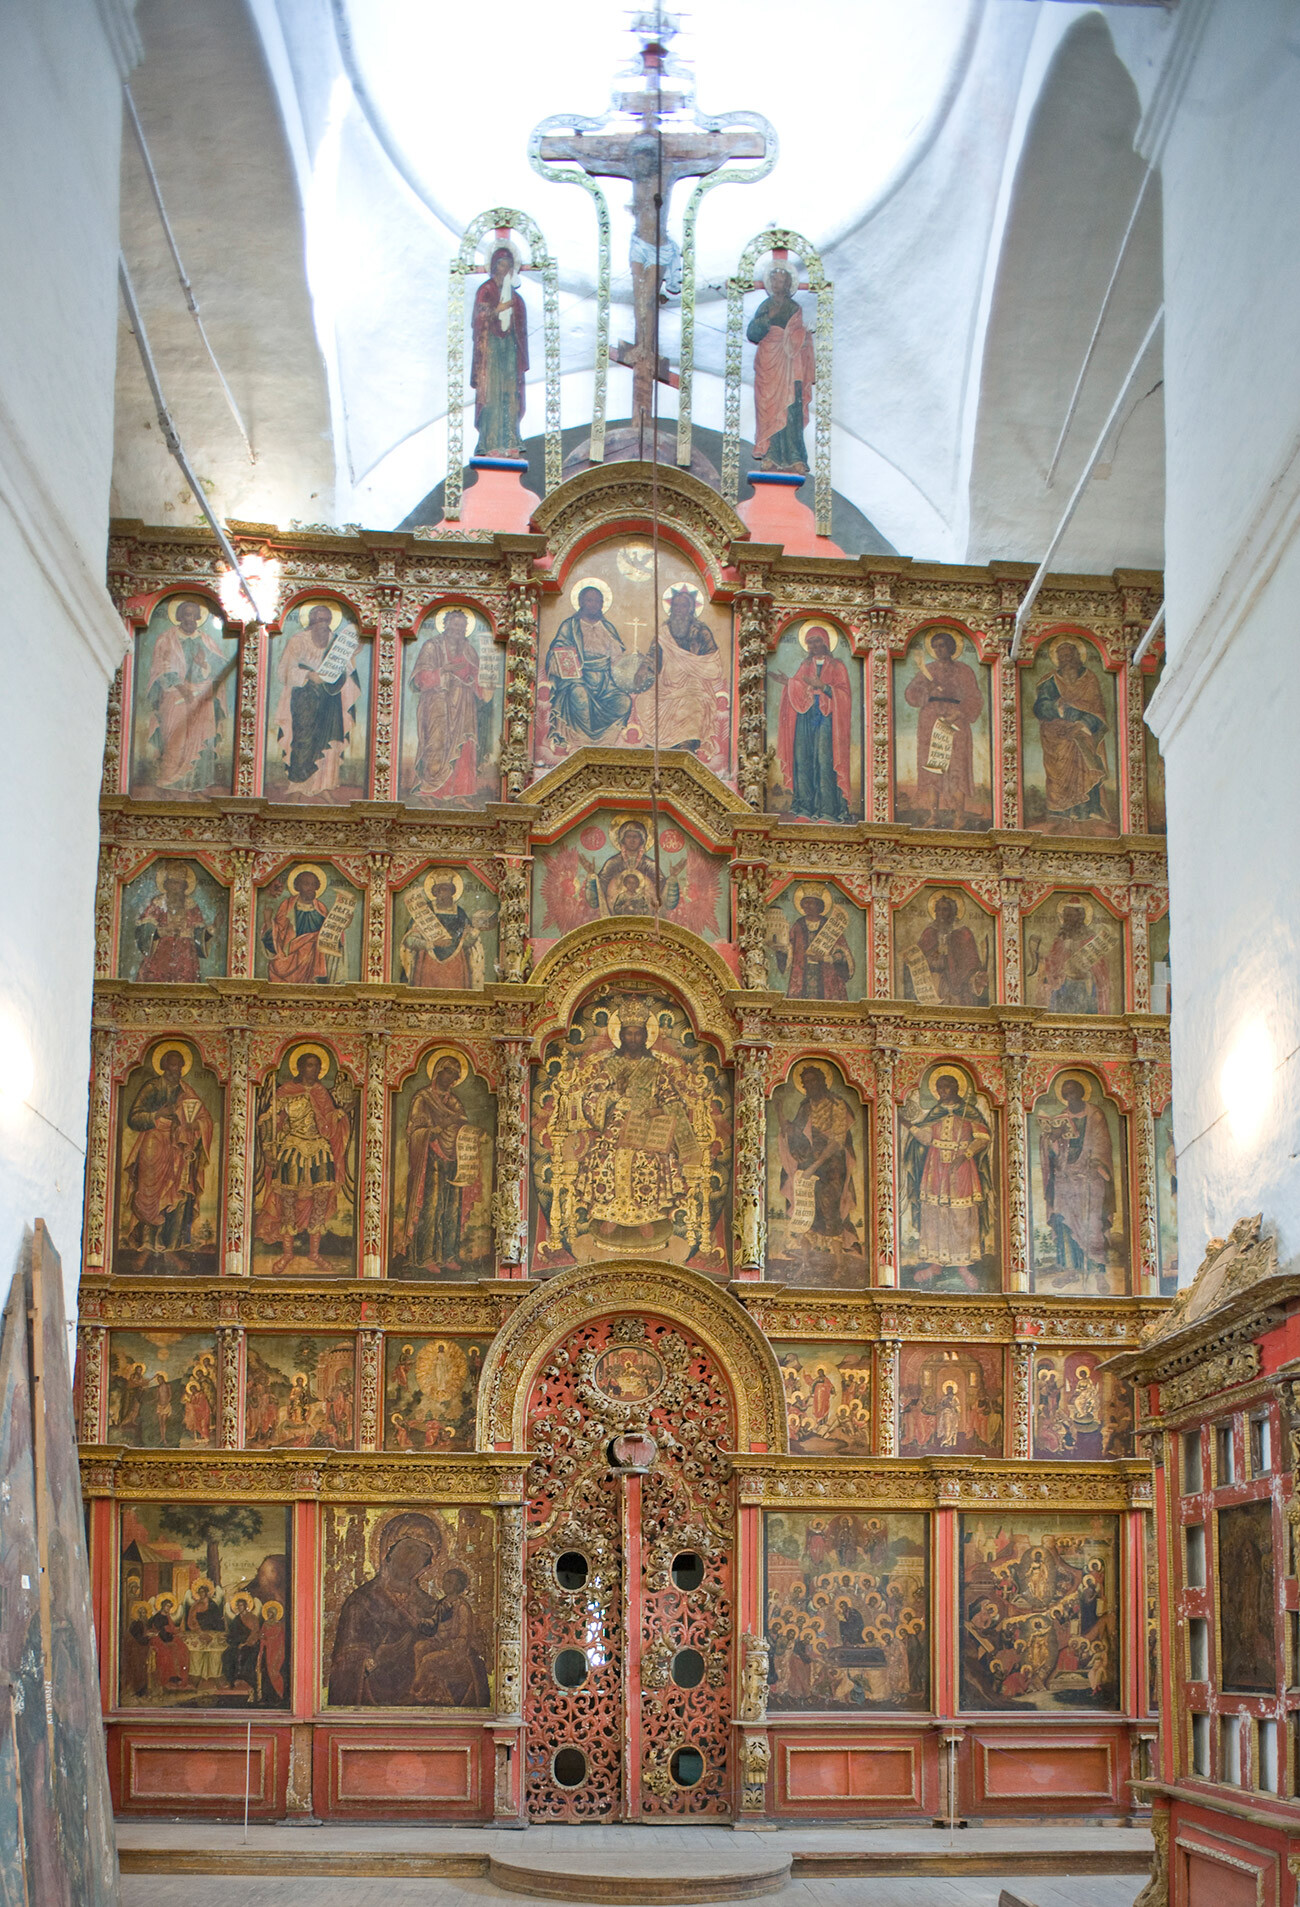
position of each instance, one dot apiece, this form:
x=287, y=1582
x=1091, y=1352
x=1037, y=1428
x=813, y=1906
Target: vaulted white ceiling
x=965, y=166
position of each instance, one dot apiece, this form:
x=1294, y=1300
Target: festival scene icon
x=162, y=1389
x=173, y=925
x=619, y=664
x=814, y=725
x=299, y=1392
x=848, y=1611
x=408, y=1607
x=430, y=1392
x=827, y=1398
x=950, y=1400
x=204, y=1606
x=1080, y=1410
x=631, y=1139
x=943, y=753
x=452, y=700
x=1039, y=1612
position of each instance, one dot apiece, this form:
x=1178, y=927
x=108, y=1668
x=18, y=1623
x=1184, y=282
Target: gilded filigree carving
x=755, y=1766
x=1022, y=1358
x=92, y=1340
x=750, y=1185
x=750, y=891
x=229, y=1357
x=521, y=648
x=248, y=737
x=755, y=1661
x=754, y=634
x=509, y=1215
x=236, y=1257
x=886, y=1267
x=510, y=1612
x=887, y=1397
x=372, y=1210
x=335, y=1476
x=97, y=1160
x=1215, y=1374
x=370, y=1390
x=514, y=947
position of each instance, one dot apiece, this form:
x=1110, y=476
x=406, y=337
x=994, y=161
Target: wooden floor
x=173, y=1864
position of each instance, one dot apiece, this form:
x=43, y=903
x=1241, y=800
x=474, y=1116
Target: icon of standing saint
x=500, y=361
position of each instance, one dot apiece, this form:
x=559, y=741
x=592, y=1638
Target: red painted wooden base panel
x=169, y=1770
x=834, y=1773
x=394, y=1773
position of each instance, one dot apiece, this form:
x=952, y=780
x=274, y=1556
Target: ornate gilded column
x=1009, y=907
x=1017, y=1174
x=1139, y=932
x=239, y=955
x=248, y=737
x=749, y=1226
x=369, y=1388
x=1005, y=694
x=389, y=598
x=882, y=933
x=510, y=1612
x=372, y=1208
x=521, y=655
x=514, y=944
x=112, y=779
x=236, y=1256
x=886, y=1263
x=1147, y=1229
x=105, y=910
x=376, y=916
x=753, y=629
x=92, y=1343
x=229, y=1348
x=509, y=1210
x=100, y=1119
x=755, y=1755
x=750, y=879
x=887, y=1397
x=1137, y=616
x=1022, y=1357
x=881, y=618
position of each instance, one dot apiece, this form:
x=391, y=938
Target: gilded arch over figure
x=644, y=1289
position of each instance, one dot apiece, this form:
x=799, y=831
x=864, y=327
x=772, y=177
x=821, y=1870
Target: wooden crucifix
x=669, y=144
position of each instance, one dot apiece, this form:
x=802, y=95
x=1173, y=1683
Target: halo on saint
x=828, y=629
x=636, y=561
x=492, y=243
x=394, y=1529
x=946, y=893
x=799, y=1073
x=442, y=877
x=633, y=1011
x=1086, y=1082
x=307, y=867
x=441, y=1053
x=593, y=582
x=958, y=641
x=298, y=1053
x=936, y=1072
x=319, y=602
x=161, y=1051
x=623, y=821
x=813, y=891
x=769, y=266
x=1079, y=644
x=1076, y=900
x=272, y=1611
x=451, y=609
x=676, y=589
x=160, y=875
x=204, y=608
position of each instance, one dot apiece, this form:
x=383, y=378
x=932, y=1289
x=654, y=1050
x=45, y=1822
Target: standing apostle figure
x=500, y=328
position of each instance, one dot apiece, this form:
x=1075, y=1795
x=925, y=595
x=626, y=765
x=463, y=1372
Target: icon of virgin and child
x=397, y=1645
x=603, y=684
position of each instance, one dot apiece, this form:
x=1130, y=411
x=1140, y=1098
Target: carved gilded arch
x=599, y=951
x=621, y=776
x=683, y=1297
x=609, y=496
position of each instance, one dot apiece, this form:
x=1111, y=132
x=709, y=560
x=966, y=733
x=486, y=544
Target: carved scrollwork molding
x=685, y=965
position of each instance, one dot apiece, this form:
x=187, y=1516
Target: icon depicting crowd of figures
x=416, y=1630
x=317, y=711
x=1039, y=1601
x=299, y=1392
x=950, y=1401
x=816, y=943
x=814, y=725
x=948, y=1221
x=174, y=916
x=304, y=1199
x=827, y=1398
x=205, y=1603
x=169, y=1170
x=1077, y=1203
x=162, y=1390
x=848, y=1611
x=444, y=1144
x=604, y=869
x=309, y=927
x=618, y=667
x=453, y=689
x=943, y=756
x=444, y=931
x=183, y=703
x=631, y=1139
x=817, y=1179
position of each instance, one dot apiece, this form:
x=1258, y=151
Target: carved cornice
x=322, y=1475
x=935, y=1483
x=1012, y=1317
x=617, y=776
x=685, y=1297
x=476, y=1310
x=1238, y=1293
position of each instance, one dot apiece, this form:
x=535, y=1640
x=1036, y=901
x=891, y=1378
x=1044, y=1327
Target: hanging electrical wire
x=656, y=651
x=181, y=273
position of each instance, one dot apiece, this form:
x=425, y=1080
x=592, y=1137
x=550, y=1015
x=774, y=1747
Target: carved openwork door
x=629, y=1578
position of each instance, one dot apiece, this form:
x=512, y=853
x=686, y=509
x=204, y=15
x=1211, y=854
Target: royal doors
x=629, y=1578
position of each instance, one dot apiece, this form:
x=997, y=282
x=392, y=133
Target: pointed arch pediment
x=610, y=495
x=695, y=793
x=612, y=950
x=642, y=1288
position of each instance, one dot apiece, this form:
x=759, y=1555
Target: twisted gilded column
x=514, y=947
x=99, y=1120
x=749, y=1225
x=881, y=619
x=112, y=781
x=887, y=1397
x=239, y=961
x=389, y=595
x=509, y=1211
x=1017, y=1174
x=229, y=1346
x=751, y=912
x=882, y=934
x=510, y=1612
x=1147, y=1228
x=372, y=1205
x=1022, y=1356
x=376, y=916
x=1009, y=907
x=248, y=734
x=92, y=1344
x=1140, y=935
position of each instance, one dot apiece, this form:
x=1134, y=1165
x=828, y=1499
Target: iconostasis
x=788, y=1116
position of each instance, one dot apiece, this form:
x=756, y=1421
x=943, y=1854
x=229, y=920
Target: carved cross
x=668, y=145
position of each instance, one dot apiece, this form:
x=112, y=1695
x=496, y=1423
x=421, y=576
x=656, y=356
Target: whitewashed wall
x=1226, y=125
x=63, y=62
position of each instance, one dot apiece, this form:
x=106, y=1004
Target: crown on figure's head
x=635, y=1013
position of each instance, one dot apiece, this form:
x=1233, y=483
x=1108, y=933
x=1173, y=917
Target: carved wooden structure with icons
x=694, y=1264
x=1218, y=1390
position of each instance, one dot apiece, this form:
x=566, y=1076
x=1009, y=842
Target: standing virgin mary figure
x=500, y=330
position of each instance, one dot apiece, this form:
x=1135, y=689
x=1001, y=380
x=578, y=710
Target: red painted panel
x=881, y=1772
x=1027, y=1769
x=374, y=1771
x=197, y=1771
x=1209, y=1883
